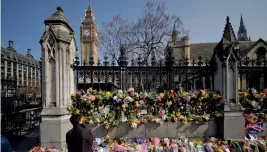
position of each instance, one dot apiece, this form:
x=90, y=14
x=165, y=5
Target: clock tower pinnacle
x=89, y=37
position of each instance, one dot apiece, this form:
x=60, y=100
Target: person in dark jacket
x=79, y=138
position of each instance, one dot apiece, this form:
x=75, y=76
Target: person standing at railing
x=79, y=138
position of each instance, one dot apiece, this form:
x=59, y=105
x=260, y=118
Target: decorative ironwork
x=166, y=75
x=252, y=73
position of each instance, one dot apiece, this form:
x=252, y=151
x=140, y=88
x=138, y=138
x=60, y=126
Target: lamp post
x=76, y=64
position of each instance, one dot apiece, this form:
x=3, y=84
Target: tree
x=148, y=35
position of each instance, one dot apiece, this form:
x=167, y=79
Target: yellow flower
x=161, y=95
x=119, y=95
x=89, y=90
x=201, y=98
x=76, y=111
x=244, y=94
x=262, y=94
x=108, y=94
x=73, y=95
x=246, y=148
x=92, y=98
x=161, y=123
x=94, y=92
x=220, y=150
x=137, y=104
x=185, y=94
x=190, y=119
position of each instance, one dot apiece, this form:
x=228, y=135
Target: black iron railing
x=144, y=76
x=19, y=122
x=253, y=73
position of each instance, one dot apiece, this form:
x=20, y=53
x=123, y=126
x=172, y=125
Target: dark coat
x=79, y=139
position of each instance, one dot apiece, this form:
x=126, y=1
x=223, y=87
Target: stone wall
x=168, y=130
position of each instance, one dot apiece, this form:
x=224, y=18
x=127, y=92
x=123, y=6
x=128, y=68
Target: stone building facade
x=182, y=48
x=23, y=68
x=89, y=38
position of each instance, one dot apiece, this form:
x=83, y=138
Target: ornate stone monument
x=226, y=57
x=58, y=78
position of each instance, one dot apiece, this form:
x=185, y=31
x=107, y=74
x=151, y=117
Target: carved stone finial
x=59, y=8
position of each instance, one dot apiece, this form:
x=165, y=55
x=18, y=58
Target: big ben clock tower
x=89, y=37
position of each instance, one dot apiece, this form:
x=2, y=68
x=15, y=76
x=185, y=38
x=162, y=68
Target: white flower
x=133, y=125
x=131, y=89
x=127, y=99
x=120, y=91
x=164, y=117
x=115, y=98
x=136, y=95
x=158, y=120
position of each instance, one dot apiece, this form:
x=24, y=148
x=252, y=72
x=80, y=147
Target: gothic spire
x=89, y=12
x=242, y=31
x=174, y=34
x=241, y=20
x=89, y=9
x=228, y=33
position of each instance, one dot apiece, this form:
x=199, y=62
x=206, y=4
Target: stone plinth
x=232, y=125
x=53, y=130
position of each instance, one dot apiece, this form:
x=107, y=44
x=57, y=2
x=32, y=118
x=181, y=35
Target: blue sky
x=22, y=20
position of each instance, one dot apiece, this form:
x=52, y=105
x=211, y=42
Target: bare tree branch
x=150, y=33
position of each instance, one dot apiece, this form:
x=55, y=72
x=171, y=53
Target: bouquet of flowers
x=44, y=149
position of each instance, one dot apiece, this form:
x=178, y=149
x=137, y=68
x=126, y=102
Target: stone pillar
x=27, y=76
x=232, y=125
x=57, y=80
x=35, y=74
x=5, y=68
x=22, y=75
x=31, y=77
x=12, y=69
x=18, y=78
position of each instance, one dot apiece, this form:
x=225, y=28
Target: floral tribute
x=182, y=144
x=44, y=149
x=106, y=144
x=113, y=108
x=254, y=105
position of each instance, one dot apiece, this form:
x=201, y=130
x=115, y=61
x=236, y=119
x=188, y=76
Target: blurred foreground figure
x=5, y=145
x=79, y=138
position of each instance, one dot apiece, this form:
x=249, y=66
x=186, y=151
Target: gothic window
x=261, y=53
x=51, y=41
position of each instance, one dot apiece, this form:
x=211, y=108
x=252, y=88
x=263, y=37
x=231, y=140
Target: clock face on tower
x=86, y=32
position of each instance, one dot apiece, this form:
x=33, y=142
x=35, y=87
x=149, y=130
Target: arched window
x=261, y=53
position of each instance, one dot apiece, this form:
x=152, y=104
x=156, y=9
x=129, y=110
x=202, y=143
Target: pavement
x=25, y=142
x=30, y=140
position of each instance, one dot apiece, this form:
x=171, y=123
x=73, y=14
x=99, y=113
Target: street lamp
x=76, y=64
